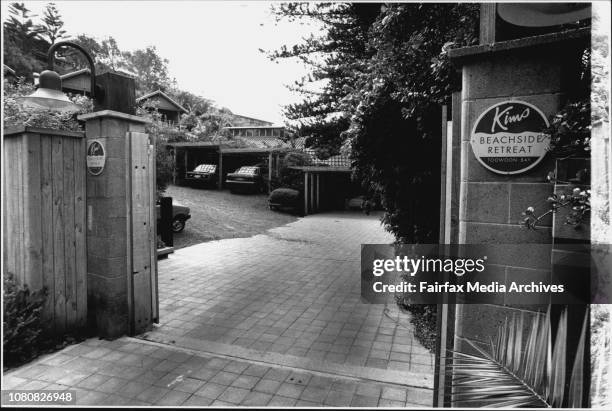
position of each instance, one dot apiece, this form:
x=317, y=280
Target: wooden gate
x=143, y=294
x=44, y=220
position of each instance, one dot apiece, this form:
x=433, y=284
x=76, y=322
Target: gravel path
x=219, y=214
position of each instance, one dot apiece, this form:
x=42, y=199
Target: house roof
x=164, y=96
x=88, y=73
x=76, y=73
x=252, y=118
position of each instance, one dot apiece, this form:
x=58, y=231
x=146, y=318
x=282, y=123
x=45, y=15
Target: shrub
x=17, y=115
x=288, y=177
x=285, y=197
x=22, y=325
x=424, y=321
x=164, y=162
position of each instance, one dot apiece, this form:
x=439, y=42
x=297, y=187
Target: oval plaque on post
x=96, y=157
x=509, y=138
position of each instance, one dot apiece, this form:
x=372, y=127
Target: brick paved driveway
x=290, y=297
x=272, y=320
x=132, y=372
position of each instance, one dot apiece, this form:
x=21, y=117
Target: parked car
x=180, y=215
x=204, y=174
x=246, y=178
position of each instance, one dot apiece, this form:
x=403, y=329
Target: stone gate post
x=110, y=249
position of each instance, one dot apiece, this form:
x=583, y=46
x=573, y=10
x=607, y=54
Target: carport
x=187, y=156
x=326, y=187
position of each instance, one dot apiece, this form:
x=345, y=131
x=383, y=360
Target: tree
x=110, y=55
x=385, y=73
x=24, y=51
x=196, y=105
x=395, y=127
x=52, y=25
x=335, y=58
x=150, y=69
x=106, y=54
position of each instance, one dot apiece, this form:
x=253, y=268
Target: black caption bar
x=502, y=274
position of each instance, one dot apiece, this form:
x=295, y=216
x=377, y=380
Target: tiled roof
x=340, y=160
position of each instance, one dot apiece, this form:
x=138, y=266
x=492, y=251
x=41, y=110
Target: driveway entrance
x=290, y=297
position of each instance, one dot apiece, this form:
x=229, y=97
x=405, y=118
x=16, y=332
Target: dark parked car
x=180, y=215
x=246, y=178
x=204, y=174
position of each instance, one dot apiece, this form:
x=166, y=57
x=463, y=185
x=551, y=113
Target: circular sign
x=96, y=157
x=508, y=138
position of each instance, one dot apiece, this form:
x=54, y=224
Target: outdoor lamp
x=49, y=93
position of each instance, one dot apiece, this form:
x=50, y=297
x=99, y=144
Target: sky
x=212, y=46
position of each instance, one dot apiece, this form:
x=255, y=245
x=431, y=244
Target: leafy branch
x=578, y=202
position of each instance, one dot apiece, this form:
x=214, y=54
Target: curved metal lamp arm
x=92, y=67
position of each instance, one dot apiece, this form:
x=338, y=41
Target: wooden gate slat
x=141, y=260
x=153, y=232
x=32, y=224
x=48, y=273
x=80, y=236
x=8, y=216
x=18, y=227
x=57, y=159
x=69, y=232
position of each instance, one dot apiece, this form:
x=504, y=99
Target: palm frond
x=518, y=371
x=576, y=388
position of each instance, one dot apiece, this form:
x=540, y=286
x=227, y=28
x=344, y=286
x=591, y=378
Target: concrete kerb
x=208, y=348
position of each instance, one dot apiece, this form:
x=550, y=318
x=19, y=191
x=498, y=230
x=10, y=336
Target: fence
x=44, y=220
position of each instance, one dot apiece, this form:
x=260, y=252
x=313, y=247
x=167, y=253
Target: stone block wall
x=491, y=204
x=108, y=248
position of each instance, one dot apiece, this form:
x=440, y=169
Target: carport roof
x=322, y=169
x=251, y=150
x=198, y=144
x=229, y=150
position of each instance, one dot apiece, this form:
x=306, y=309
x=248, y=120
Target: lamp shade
x=49, y=95
x=543, y=14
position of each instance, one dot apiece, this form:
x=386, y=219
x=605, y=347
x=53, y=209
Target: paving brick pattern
x=131, y=373
x=294, y=290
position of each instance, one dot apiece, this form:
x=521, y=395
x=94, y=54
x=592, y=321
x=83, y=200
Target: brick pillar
x=108, y=223
x=538, y=71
